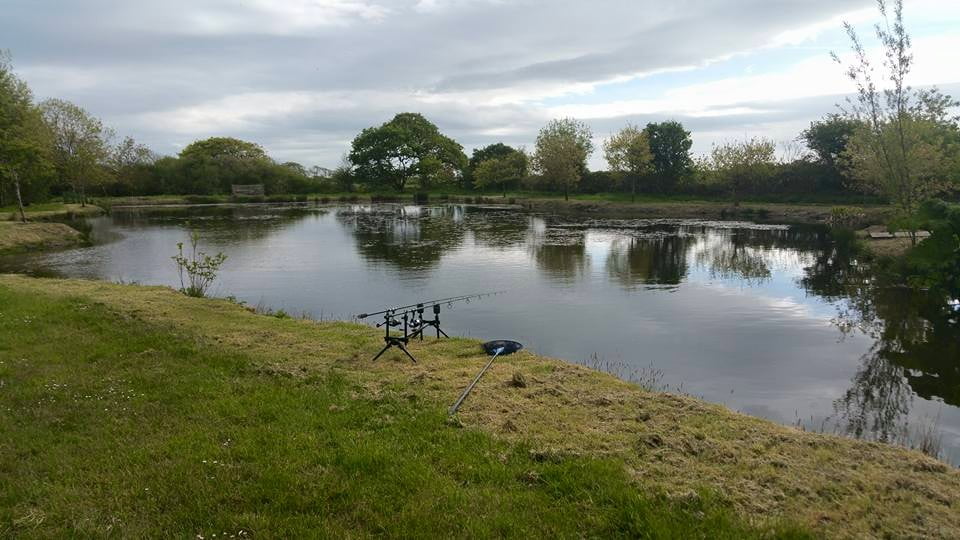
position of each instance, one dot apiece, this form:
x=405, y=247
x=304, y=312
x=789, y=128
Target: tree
x=901, y=148
x=407, y=147
x=131, y=165
x=24, y=141
x=213, y=165
x=828, y=138
x=670, y=145
x=562, y=149
x=628, y=152
x=296, y=168
x=742, y=165
x=223, y=148
x=80, y=144
x=501, y=171
x=496, y=150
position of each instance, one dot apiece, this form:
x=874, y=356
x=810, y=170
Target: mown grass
x=17, y=237
x=113, y=426
x=35, y=207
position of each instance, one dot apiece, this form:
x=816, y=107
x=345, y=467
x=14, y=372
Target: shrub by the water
x=197, y=270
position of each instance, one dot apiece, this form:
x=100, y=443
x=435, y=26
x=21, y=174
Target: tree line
x=56, y=148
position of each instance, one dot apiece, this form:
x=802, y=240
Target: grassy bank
x=120, y=423
x=53, y=211
x=139, y=411
x=17, y=237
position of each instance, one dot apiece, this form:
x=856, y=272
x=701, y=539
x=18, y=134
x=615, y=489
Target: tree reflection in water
x=654, y=259
x=916, y=352
x=561, y=254
x=409, y=238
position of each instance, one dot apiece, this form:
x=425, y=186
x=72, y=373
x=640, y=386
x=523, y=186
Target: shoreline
x=812, y=214
x=790, y=213
x=672, y=443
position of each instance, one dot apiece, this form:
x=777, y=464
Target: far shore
x=600, y=205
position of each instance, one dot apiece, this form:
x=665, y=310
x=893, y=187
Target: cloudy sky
x=302, y=77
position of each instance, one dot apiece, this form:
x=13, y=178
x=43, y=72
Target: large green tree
x=562, y=149
x=24, y=140
x=479, y=155
x=670, y=145
x=828, y=138
x=223, y=148
x=628, y=152
x=501, y=171
x=213, y=165
x=407, y=147
x=81, y=144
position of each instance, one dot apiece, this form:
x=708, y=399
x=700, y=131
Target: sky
x=303, y=77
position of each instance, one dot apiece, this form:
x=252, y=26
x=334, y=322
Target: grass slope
x=306, y=432
x=116, y=426
x=16, y=236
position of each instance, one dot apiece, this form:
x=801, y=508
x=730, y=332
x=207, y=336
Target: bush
x=197, y=270
x=599, y=182
x=846, y=217
x=201, y=199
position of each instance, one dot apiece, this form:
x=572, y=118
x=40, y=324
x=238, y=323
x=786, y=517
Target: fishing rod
x=429, y=304
x=410, y=322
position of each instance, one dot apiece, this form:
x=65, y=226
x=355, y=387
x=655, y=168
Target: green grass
x=36, y=207
x=110, y=426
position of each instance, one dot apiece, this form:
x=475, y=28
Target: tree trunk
x=566, y=193
x=633, y=190
x=16, y=187
x=83, y=195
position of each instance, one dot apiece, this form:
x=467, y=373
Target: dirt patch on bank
x=17, y=237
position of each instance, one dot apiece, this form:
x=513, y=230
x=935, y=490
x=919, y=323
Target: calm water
x=773, y=321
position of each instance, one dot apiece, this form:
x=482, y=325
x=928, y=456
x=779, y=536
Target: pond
x=770, y=320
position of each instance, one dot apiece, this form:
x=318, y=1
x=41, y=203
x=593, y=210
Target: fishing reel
x=390, y=320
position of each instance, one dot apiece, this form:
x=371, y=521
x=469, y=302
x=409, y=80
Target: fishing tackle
x=411, y=318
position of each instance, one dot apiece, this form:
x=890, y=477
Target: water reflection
x=916, y=352
x=561, y=255
x=657, y=259
x=733, y=257
x=408, y=238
